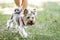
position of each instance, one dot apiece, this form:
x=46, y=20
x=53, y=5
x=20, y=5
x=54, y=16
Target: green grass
x=47, y=25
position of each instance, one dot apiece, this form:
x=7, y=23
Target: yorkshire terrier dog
x=21, y=19
x=31, y=17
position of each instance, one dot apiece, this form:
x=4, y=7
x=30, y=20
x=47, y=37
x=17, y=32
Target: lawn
x=47, y=25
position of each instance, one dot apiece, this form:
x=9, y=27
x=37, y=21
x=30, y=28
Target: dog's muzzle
x=30, y=22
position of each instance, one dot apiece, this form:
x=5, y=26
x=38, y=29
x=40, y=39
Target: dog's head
x=31, y=17
x=18, y=11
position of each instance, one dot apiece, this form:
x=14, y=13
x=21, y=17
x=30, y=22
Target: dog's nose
x=31, y=21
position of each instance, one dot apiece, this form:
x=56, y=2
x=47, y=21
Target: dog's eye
x=28, y=17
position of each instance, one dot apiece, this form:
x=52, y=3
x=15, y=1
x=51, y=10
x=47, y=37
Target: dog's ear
x=25, y=12
x=33, y=11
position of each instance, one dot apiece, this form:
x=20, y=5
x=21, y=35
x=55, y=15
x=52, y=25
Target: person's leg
x=17, y=2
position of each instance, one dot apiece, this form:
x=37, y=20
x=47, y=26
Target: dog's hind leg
x=22, y=32
x=9, y=23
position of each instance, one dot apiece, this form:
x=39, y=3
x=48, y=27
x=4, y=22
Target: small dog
x=31, y=17
x=22, y=18
x=17, y=17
